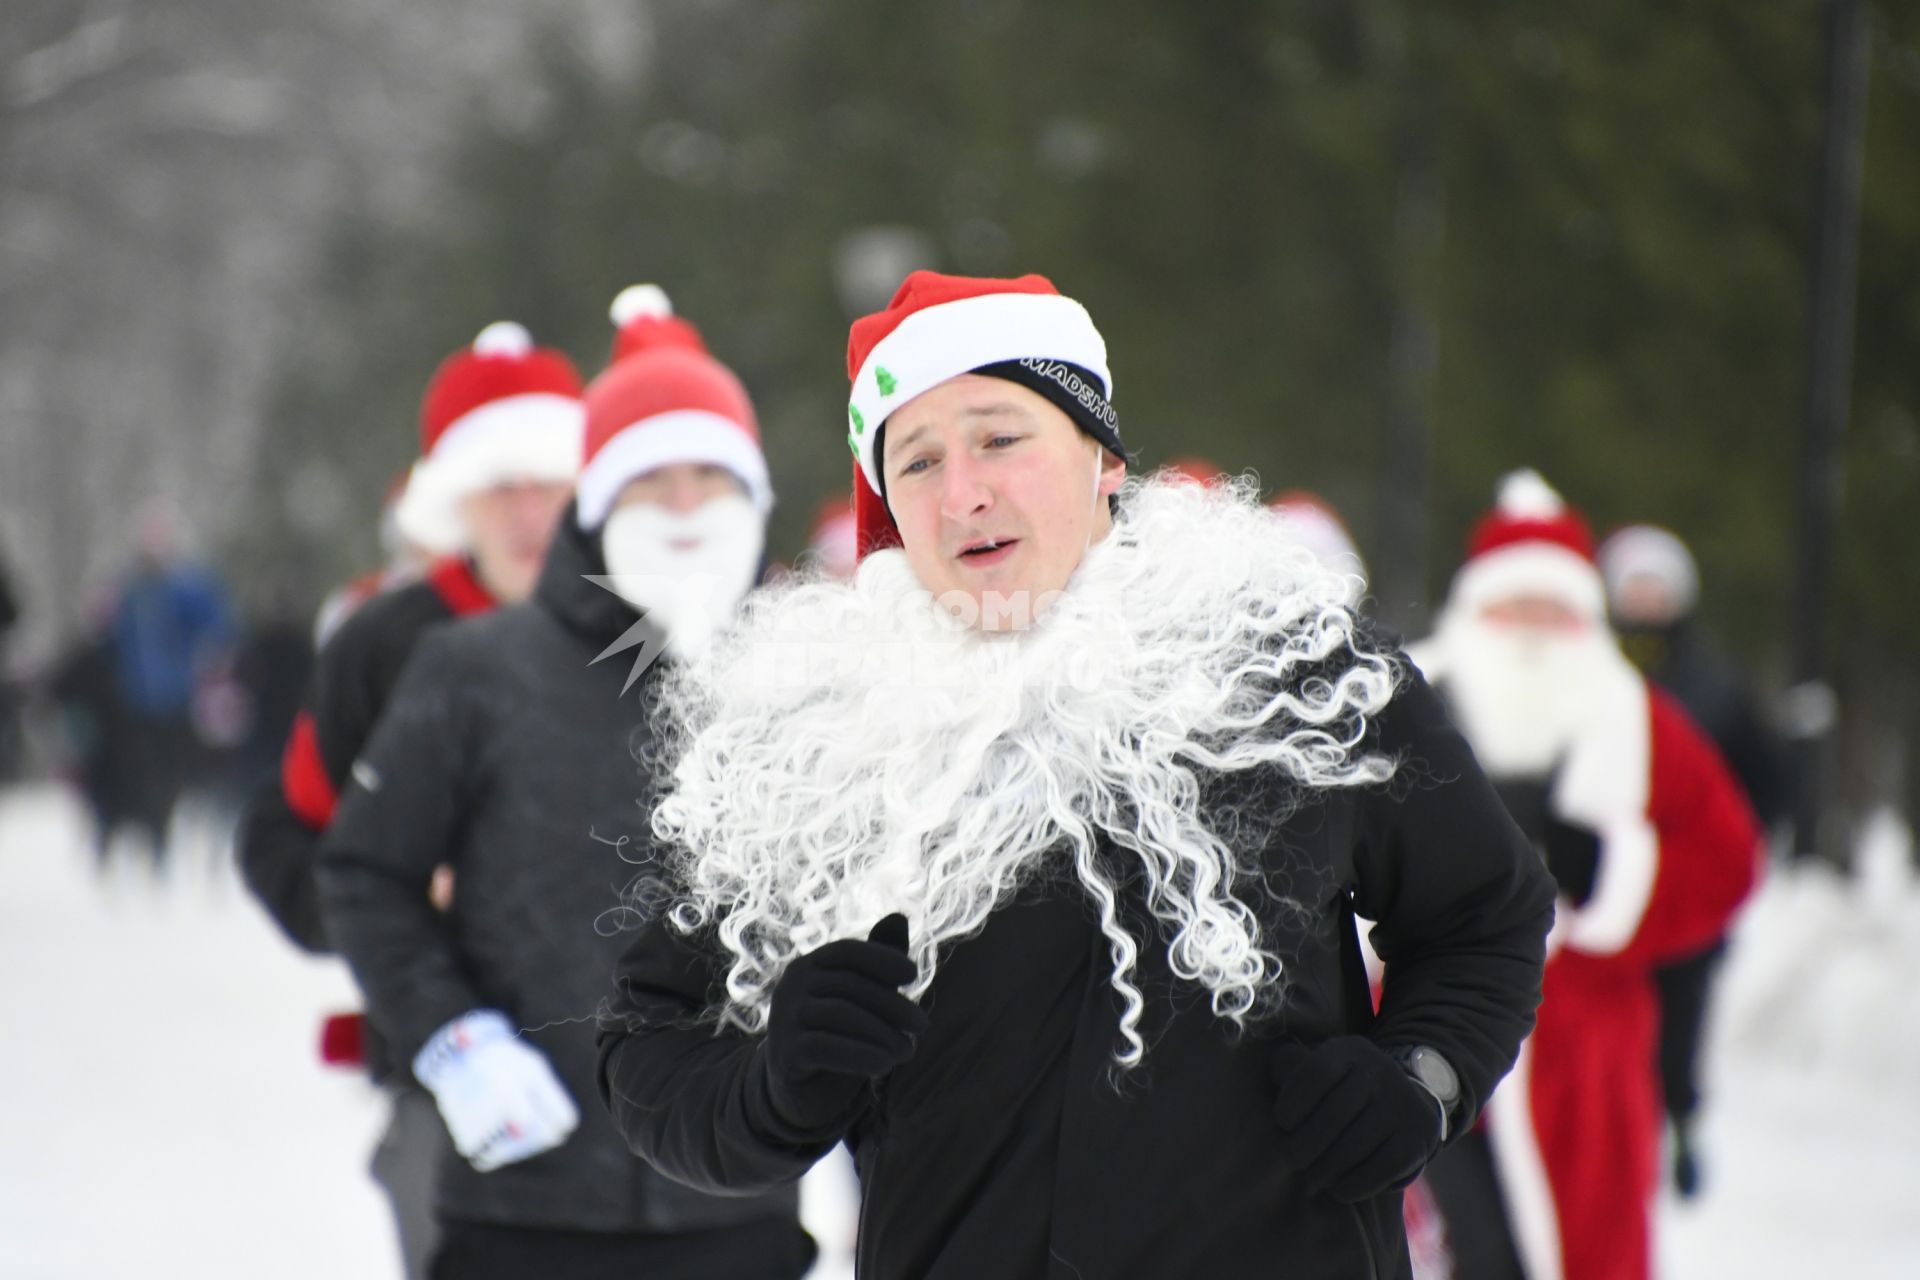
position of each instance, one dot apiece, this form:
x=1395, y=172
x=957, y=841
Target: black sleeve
x=277, y=855
x=398, y=819
x=689, y=1099
x=1529, y=803
x=357, y=672
x=1462, y=901
x=278, y=843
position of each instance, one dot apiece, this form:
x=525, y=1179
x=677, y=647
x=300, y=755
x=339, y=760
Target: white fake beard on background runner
x=847, y=750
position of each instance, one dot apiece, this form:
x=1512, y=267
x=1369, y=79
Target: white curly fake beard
x=847, y=750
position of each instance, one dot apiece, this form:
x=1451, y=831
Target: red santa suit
x=1574, y=1132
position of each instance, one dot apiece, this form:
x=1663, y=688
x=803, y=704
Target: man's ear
x=1113, y=472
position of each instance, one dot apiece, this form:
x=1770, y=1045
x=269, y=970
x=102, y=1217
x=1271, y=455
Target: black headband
x=1071, y=389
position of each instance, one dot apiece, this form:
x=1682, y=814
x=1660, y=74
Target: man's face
x=680, y=487
x=997, y=495
x=1536, y=617
x=508, y=529
x=1646, y=600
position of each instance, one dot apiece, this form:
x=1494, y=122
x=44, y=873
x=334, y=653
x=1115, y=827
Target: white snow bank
x=167, y=1113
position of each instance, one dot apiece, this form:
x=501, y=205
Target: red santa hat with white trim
x=833, y=542
x=496, y=411
x=1193, y=469
x=939, y=327
x=1311, y=522
x=664, y=400
x=1531, y=544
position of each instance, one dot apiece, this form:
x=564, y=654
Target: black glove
x=1352, y=1122
x=1573, y=858
x=838, y=1023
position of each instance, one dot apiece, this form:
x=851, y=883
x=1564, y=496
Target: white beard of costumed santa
x=849, y=749
x=1574, y=1130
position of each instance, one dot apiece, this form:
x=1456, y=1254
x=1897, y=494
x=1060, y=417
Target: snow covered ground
x=166, y=1115
x=1812, y=1129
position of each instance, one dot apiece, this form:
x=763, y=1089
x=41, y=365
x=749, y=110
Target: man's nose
x=533, y=511
x=963, y=489
x=684, y=497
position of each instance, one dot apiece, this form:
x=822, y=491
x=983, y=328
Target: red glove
x=343, y=1040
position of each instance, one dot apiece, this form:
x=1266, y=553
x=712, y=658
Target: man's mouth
x=988, y=550
x=683, y=544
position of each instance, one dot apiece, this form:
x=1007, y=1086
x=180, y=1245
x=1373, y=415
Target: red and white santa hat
x=833, y=541
x=939, y=327
x=498, y=410
x=1193, y=469
x=664, y=400
x=1531, y=544
x=1311, y=522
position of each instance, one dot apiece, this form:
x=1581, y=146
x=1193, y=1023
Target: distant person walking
x=171, y=626
x=1653, y=590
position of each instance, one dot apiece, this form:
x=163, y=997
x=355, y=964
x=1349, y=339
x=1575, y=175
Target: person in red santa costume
x=1653, y=847
x=1027, y=861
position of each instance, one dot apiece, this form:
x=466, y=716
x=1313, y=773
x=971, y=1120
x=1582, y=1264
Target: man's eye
x=915, y=467
x=1002, y=441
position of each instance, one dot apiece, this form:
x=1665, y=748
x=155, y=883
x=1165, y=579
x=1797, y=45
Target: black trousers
x=1685, y=987
x=153, y=758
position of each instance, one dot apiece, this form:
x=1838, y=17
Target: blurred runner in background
x=501, y=431
x=1653, y=590
x=1652, y=846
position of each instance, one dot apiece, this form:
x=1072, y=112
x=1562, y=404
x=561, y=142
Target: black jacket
x=508, y=754
x=1003, y=1148
x=354, y=675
